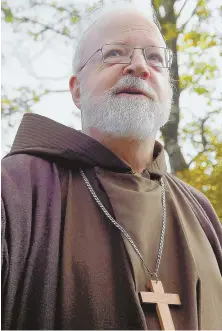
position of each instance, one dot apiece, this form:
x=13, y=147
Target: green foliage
x=74, y=19
x=199, y=71
x=191, y=40
x=170, y=31
x=185, y=81
x=156, y=3
x=202, y=39
x=22, y=102
x=34, y=35
x=36, y=98
x=8, y=104
x=60, y=9
x=202, y=12
x=200, y=90
x=207, y=69
x=8, y=16
x=65, y=31
x=205, y=174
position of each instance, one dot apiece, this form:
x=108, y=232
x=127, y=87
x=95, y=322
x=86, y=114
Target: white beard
x=122, y=116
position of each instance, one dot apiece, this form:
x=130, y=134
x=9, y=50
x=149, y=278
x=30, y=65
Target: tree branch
x=204, y=142
x=45, y=27
x=65, y=9
x=194, y=158
x=192, y=14
x=46, y=92
x=24, y=102
x=178, y=15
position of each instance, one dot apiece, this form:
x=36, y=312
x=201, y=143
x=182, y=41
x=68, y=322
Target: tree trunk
x=170, y=130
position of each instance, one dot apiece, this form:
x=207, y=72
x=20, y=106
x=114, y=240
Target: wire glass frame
x=122, y=54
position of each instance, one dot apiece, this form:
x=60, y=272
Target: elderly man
x=96, y=234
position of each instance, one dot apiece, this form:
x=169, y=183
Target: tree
x=191, y=38
x=206, y=172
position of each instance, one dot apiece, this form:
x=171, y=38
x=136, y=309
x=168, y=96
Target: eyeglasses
x=119, y=53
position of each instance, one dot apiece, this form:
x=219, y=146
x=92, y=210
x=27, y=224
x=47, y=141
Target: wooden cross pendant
x=162, y=300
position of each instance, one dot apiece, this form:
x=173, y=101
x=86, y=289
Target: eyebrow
x=116, y=42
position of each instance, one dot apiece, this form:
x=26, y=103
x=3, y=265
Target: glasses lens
x=116, y=53
x=157, y=56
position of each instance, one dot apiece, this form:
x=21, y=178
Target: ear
x=75, y=90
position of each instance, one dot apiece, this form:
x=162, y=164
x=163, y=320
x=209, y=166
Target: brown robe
x=65, y=266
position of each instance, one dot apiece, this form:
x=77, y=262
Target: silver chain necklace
x=154, y=275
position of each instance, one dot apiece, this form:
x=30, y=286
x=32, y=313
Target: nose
x=138, y=65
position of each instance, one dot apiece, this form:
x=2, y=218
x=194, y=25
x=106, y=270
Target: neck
x=137, y=153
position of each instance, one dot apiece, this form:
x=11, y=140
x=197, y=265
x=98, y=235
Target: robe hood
x=40, y=136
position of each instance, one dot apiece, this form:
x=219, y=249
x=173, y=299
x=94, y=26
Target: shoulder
x=23, y=170
x=28, y=185
x=199, y=203
x=24, y=178
x=190, y=190
x=23, y=164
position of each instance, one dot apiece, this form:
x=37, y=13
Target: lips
x=134, y=91
x=130, y=91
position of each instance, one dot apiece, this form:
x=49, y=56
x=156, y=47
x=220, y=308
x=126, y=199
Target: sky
x=48, y=64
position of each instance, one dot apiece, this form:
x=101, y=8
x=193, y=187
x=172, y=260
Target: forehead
x=129, y=27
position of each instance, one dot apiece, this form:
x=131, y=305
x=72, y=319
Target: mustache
x=131, y=82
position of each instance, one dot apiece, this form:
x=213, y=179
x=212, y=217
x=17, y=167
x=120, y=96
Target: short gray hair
x=89, y=20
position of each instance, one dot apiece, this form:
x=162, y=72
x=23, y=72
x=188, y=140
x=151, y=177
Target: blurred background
x=38, y=43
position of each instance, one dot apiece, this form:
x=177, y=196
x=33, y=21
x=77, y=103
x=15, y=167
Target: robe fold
x=66, y=266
